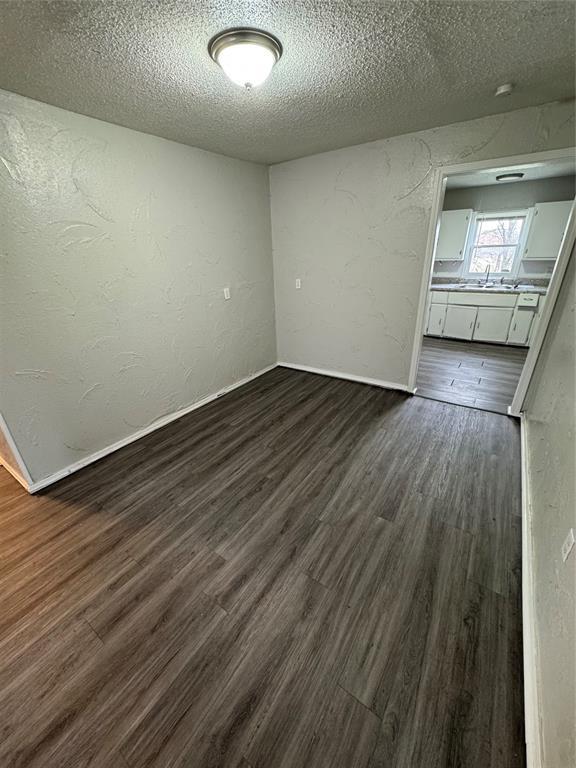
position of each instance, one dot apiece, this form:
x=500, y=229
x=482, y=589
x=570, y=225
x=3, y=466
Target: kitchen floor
x=483, y=376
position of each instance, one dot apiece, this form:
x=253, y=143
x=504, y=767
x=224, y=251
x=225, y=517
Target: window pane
x=497, y=259
x=499, y=231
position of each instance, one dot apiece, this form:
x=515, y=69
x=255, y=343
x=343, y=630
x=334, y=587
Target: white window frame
x=527, y=213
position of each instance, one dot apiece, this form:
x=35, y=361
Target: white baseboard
x=33, y=486
x=46, y=481
x=530, y=641
x=349, y=377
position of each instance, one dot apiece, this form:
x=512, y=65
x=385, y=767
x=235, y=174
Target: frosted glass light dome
x=246, y=55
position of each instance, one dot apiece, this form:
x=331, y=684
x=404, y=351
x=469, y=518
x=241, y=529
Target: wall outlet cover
x=298, y=283
x=226, y=293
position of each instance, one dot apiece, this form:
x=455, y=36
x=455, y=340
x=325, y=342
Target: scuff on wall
x=114, y=251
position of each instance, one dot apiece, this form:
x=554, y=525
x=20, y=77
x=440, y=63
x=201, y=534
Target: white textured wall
x=352, y=224
x=114, y=249
x=551, y=432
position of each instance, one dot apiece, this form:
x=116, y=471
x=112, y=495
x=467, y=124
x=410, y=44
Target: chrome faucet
x=487, y=275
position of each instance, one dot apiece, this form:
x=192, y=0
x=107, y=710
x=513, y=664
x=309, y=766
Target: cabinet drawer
x=439, y=297
x=527, y=300
x=477, y=299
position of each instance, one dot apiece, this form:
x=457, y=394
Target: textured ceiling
x=351, y=71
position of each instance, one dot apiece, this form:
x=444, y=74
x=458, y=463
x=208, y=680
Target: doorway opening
x=501, y=235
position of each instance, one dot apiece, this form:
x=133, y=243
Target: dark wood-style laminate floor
x=469, y=373
x=306, y=573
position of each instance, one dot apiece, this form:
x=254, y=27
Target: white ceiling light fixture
x=246, y=55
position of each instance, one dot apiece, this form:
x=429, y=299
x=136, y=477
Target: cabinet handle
x=472, y=325
x=514, y=327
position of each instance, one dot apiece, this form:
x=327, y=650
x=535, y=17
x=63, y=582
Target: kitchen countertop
x=491, y=289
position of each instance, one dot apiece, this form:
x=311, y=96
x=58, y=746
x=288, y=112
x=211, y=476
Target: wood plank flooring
x=468, y=373
x=306, y=573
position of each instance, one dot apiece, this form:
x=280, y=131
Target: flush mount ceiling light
x=246, y=55
x=510, y=177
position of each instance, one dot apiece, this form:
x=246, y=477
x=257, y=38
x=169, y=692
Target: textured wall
x=114, y=248
x=551, y=424
x=352, y=224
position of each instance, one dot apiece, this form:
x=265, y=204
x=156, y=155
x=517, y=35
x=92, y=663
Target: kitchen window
x=496, y=243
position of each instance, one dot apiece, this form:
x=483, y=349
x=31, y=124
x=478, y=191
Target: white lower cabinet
x=459, y=323
x=492, y=324
x=497, y=317
x=520, y=326
x=436, y=319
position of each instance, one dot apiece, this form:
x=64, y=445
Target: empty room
x=287, y=384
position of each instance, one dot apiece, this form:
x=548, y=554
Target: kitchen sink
x=482, y=287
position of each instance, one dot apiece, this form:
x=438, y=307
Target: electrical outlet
x=226, y=293
x=568, y=544
x=298, y=283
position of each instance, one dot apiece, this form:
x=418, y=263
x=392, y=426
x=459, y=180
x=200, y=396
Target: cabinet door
x=460, y=321
x=547, y=230
x=436, y=318
x=492, y=324
x=520, y=326
x=452, y=236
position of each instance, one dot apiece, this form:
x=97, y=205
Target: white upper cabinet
x=453, y=233
x=547, y=229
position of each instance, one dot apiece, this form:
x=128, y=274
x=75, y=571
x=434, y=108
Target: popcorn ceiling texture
x=352, y=225
x=551, y=426
x=115, y=247
x=351, y=71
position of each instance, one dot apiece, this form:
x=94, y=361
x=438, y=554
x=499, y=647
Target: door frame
x=441, y=176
